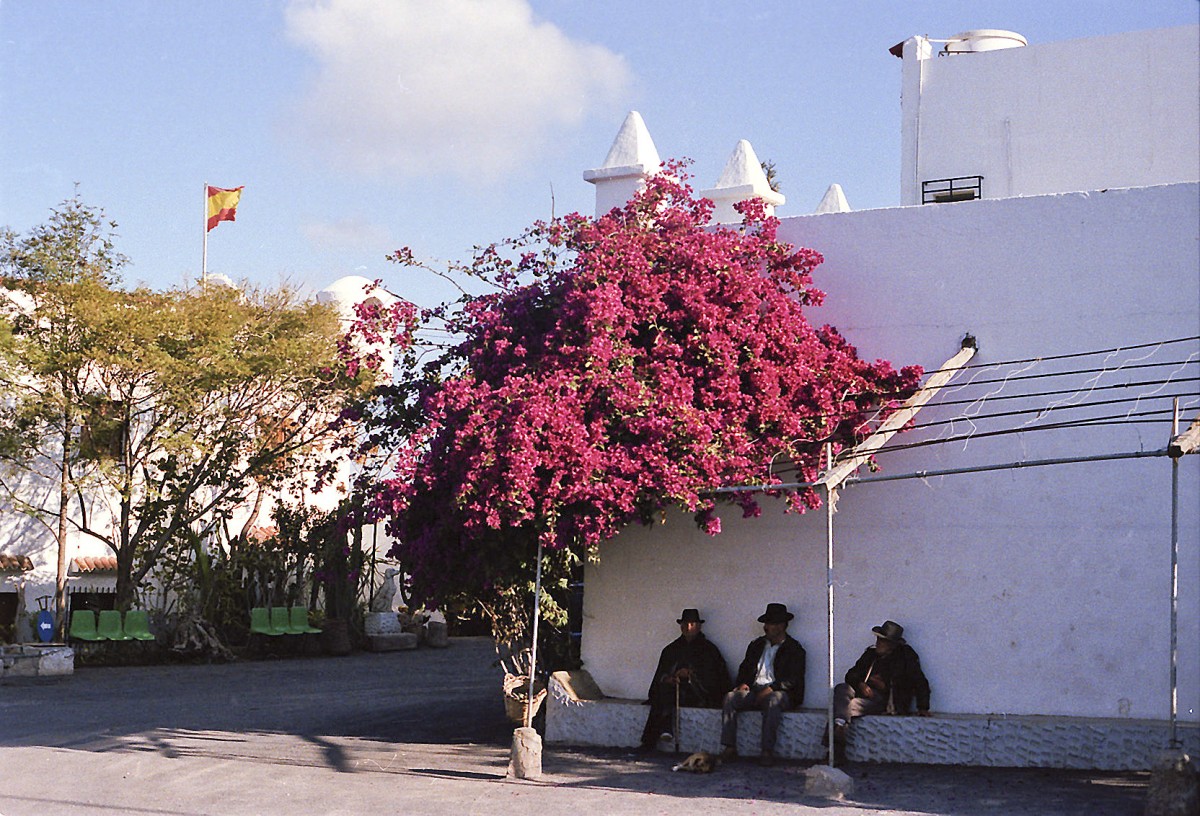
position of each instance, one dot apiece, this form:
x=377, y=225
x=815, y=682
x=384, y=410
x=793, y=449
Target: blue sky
x=359, y=126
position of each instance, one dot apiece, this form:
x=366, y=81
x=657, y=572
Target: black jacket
x=710, y=677
x=900, y=670
x=789, y=667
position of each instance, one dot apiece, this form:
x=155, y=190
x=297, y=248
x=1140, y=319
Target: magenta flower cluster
x=624, y=365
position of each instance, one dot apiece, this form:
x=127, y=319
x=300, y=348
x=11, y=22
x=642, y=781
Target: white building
x=1027, y=590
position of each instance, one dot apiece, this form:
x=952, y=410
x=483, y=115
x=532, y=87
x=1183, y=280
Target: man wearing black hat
x=771, y=677
x=887, y=679
x=690, y=670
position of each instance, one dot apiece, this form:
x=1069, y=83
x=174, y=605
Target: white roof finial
x=833, y=202
x=742, y=179
x=631, y=159
x=633, y=146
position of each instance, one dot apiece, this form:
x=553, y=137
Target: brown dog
x=699, y=762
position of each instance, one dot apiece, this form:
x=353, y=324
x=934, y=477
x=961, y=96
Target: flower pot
x=335, y=636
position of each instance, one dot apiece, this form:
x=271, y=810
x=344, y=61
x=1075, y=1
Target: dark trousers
x=662, y=710
x=772, y=707
x=847, y=704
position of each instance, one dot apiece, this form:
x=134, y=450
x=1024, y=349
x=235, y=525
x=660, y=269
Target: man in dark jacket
x=771, y=677
x=887, y=679
x=692, y=666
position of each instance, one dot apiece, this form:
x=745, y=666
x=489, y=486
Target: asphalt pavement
x=416, y=732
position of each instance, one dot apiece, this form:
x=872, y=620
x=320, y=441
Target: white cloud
x=430, y=87
x=348, y=233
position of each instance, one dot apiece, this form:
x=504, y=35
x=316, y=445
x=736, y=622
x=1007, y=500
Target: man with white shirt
x=771, y=678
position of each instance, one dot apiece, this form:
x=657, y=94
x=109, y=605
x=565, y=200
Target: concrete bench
x=578, y=714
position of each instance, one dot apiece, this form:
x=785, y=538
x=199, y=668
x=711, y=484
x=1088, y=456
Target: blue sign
x=45, y=625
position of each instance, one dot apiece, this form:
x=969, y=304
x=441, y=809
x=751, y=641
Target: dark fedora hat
x=690, y=616
x=890, y=630
x=776, y=613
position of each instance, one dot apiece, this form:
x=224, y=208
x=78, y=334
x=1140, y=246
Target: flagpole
x=204, y=254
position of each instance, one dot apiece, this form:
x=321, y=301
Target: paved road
x=418, y=732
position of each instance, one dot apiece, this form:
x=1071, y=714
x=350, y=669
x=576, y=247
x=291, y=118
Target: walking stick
x=676, y=732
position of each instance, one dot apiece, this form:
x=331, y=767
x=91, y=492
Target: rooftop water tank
x=983, y=39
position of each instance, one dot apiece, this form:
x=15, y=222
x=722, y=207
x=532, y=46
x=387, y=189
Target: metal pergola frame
x=840, y=474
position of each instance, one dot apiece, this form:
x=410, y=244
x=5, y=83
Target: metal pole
x=830, y=493
x=927, y=474
x=204, y=253
x=1174, y=742
x=537, y=613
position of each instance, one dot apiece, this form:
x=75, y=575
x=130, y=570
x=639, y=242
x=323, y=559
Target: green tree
x=167, y=410
x=52, y=278
x=223, y=397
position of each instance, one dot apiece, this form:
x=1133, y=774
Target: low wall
x=981, y=740
x=36, y=661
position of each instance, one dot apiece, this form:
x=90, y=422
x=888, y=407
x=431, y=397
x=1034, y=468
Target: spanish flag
x=222, y=205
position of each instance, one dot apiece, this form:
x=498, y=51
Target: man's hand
x=683, y=674
x=866, y=691
x=742, y=687
x=763, y=693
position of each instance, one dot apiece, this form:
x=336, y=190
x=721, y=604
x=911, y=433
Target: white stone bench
x=577, y=714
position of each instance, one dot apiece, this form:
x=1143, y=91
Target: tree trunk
x=64, y=495
x=125, y=584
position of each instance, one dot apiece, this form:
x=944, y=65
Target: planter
x=516, y=697
x=335, y=636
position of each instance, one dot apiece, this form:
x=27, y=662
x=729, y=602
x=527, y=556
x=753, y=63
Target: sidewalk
x=419, y=732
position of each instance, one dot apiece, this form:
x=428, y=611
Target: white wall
x=1028, y=591
x=1117, y=111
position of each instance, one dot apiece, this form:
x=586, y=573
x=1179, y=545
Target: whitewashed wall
x=1030, y=591
x=1118, y=111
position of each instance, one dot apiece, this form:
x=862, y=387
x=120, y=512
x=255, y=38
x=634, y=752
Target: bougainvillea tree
x=621, y=366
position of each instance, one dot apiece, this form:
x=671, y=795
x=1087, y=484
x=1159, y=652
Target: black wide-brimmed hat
x=776, y=613
x=690, y=616
x=890, y=630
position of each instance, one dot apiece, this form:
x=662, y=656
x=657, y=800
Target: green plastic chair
x=137, y=624
x=299, y=622
x=260, y=621
x=109, y=626
x=83, y=625
x=280, y=621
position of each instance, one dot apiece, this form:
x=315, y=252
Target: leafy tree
x=620, y=366
x=51, y=282
x=166, y=410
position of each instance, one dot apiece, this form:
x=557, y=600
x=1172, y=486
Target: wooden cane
x=676, y=732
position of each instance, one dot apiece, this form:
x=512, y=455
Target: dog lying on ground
x=699, y=762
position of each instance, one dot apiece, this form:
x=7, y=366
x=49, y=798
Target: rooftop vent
x=983, y=39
